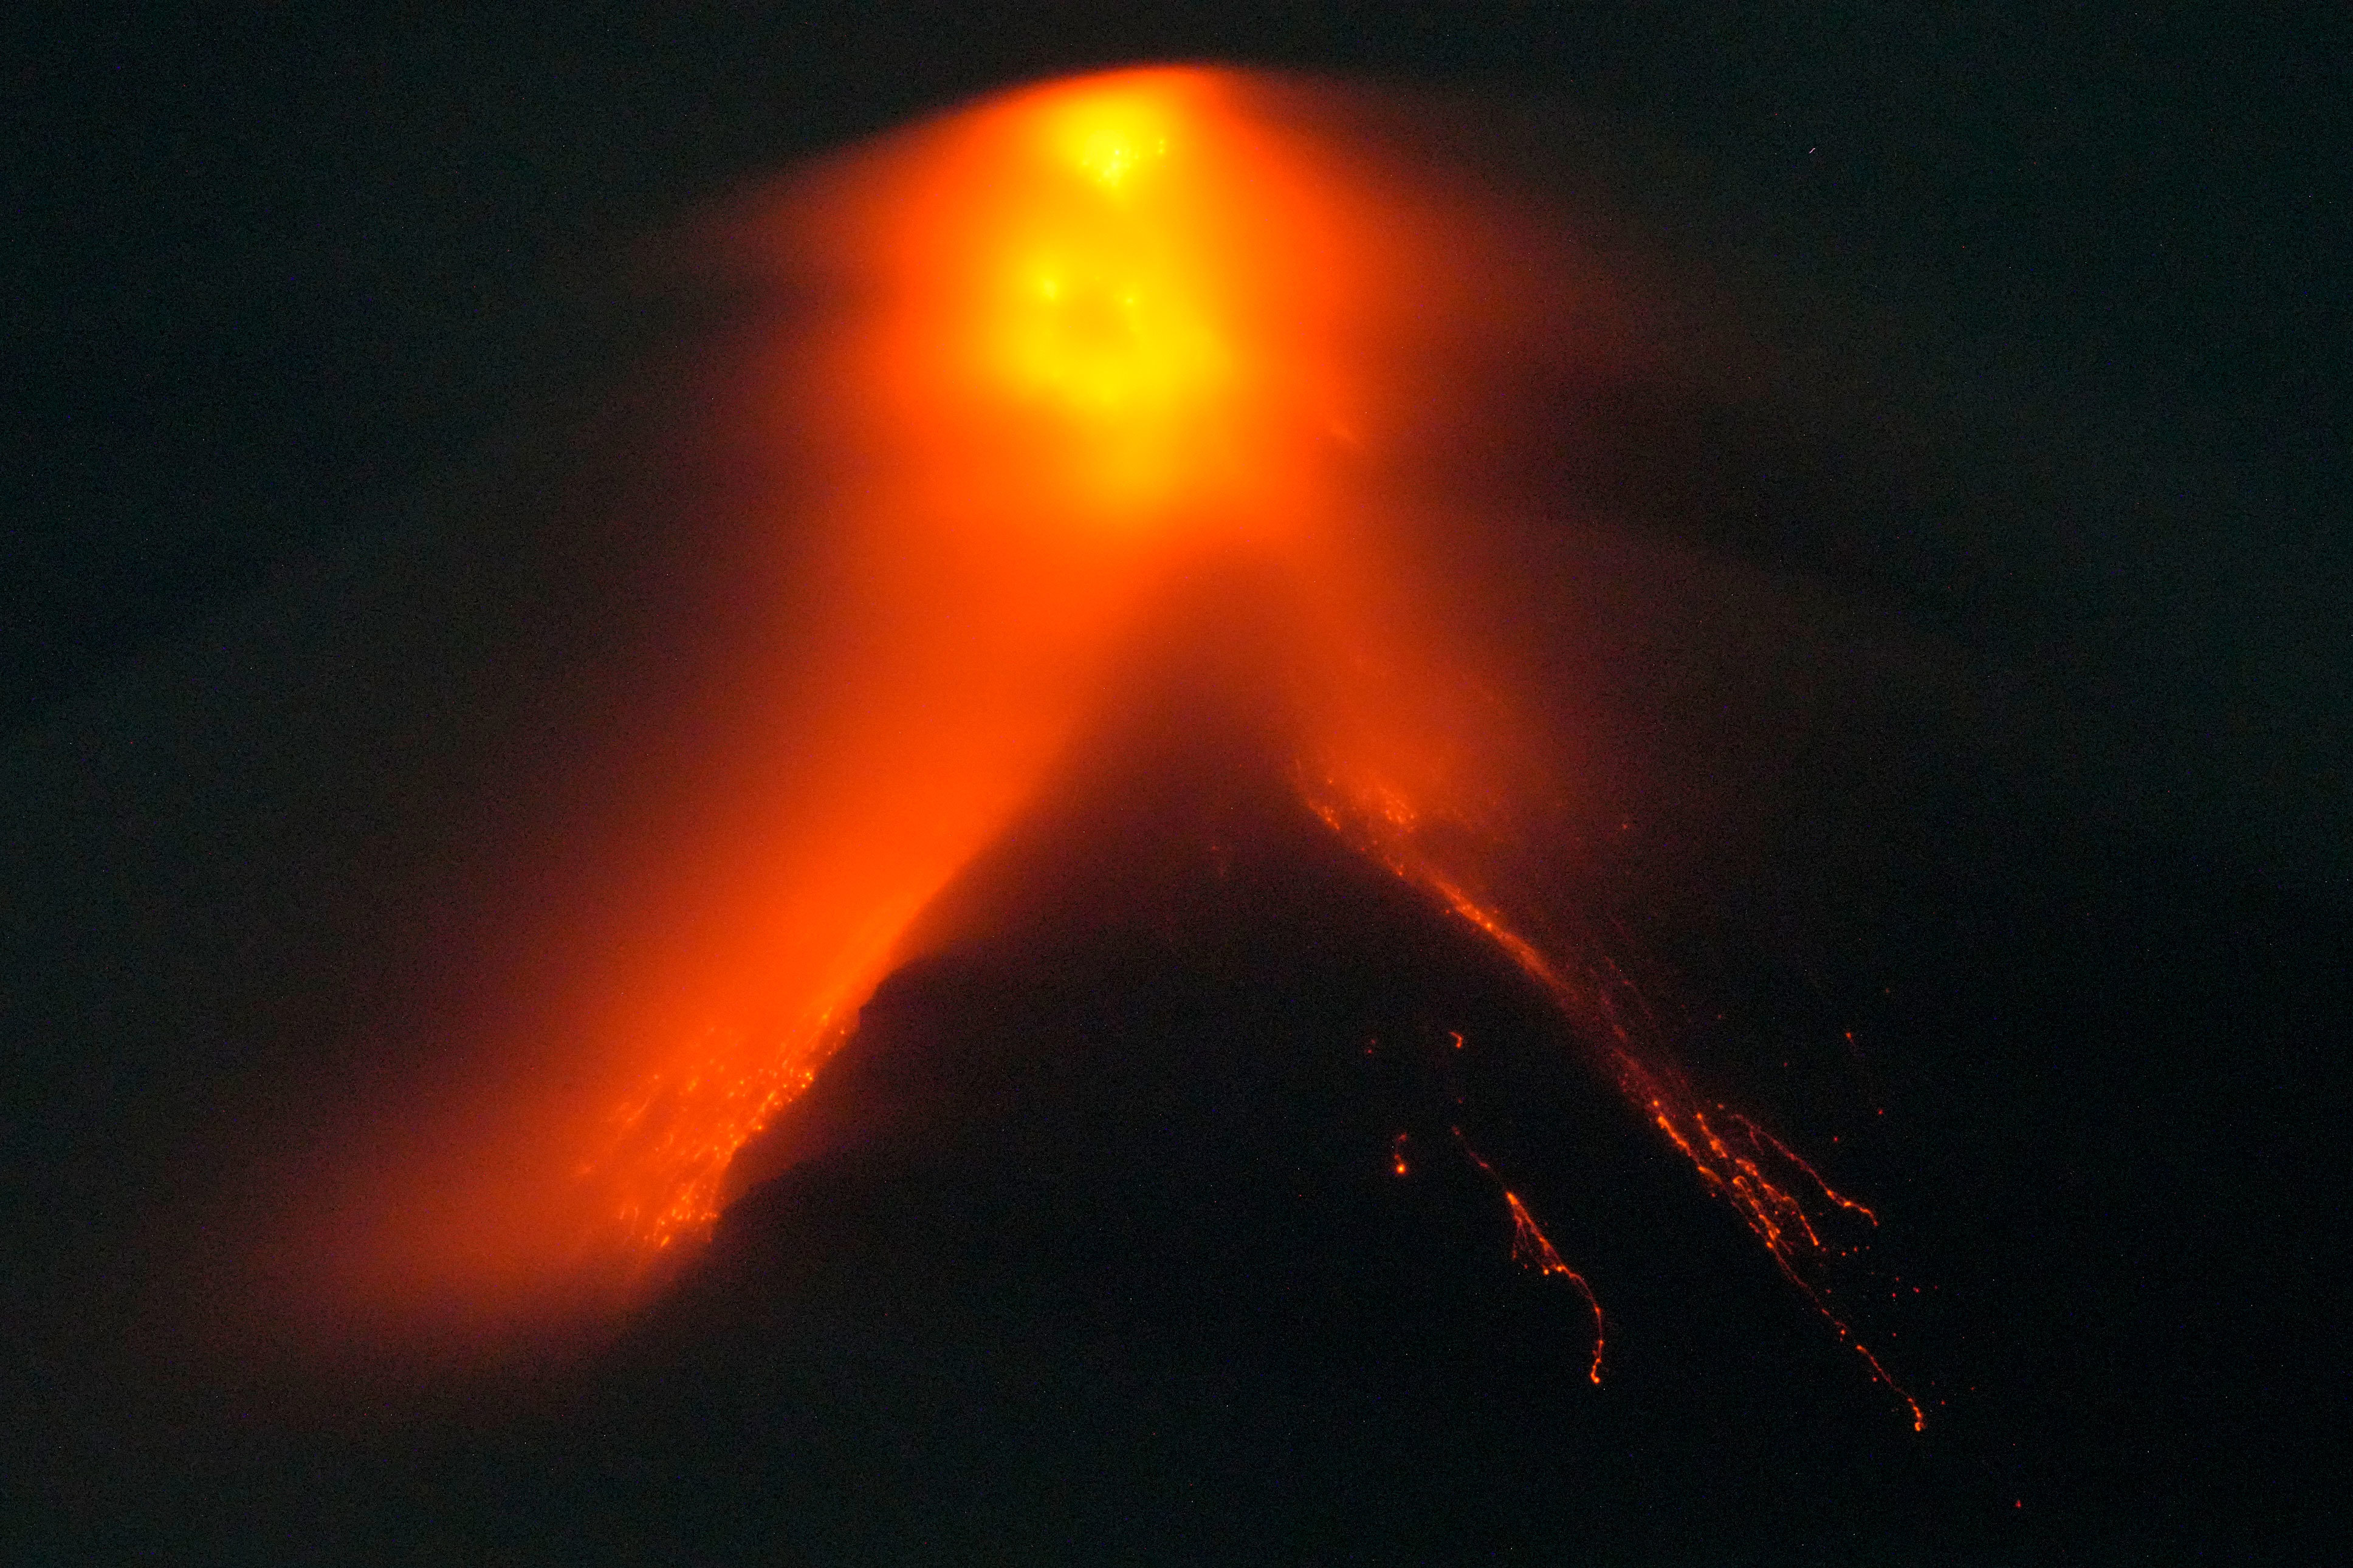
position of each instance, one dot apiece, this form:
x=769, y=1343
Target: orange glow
x=1099, y=313
x=1026, y=367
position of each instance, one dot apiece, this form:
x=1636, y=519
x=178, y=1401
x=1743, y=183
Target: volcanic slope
x=1092, y=1243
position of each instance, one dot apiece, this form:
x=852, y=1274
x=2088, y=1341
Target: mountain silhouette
x=1090, y=1243
x=1168, y=1202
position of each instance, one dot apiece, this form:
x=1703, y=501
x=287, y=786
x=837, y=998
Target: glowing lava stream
x=1066, y=347
x=1767, y=1183
x=1532, y=1250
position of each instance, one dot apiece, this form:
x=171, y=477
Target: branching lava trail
x=1533, y=1251
x=1781, y=1198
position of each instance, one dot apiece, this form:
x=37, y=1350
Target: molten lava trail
x=1533, y=1250
x=1778, y=1195
x=1038, y=363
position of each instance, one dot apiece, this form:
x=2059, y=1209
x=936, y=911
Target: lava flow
x=1533, y=1250
x=1029, y=367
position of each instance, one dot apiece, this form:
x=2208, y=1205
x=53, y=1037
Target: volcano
x=1153, y=861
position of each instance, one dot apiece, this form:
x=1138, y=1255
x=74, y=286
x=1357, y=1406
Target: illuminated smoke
x=1030, y=366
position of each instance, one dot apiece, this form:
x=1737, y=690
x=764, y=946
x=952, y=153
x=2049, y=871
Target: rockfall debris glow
x=1033, y=363
x=1780, y=1197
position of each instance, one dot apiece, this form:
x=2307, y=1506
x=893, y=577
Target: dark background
x=276, y=271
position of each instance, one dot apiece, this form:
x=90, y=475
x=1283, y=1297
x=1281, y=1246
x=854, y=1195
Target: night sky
x=318, y=324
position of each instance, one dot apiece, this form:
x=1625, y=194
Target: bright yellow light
x=1109, y=318
x=1107, y=338
x=1111, y=156
x=1114, y=131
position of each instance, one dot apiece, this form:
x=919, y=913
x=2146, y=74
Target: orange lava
x=1781, y=1198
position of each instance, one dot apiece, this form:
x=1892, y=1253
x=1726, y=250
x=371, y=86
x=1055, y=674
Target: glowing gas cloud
x=1025, y=368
